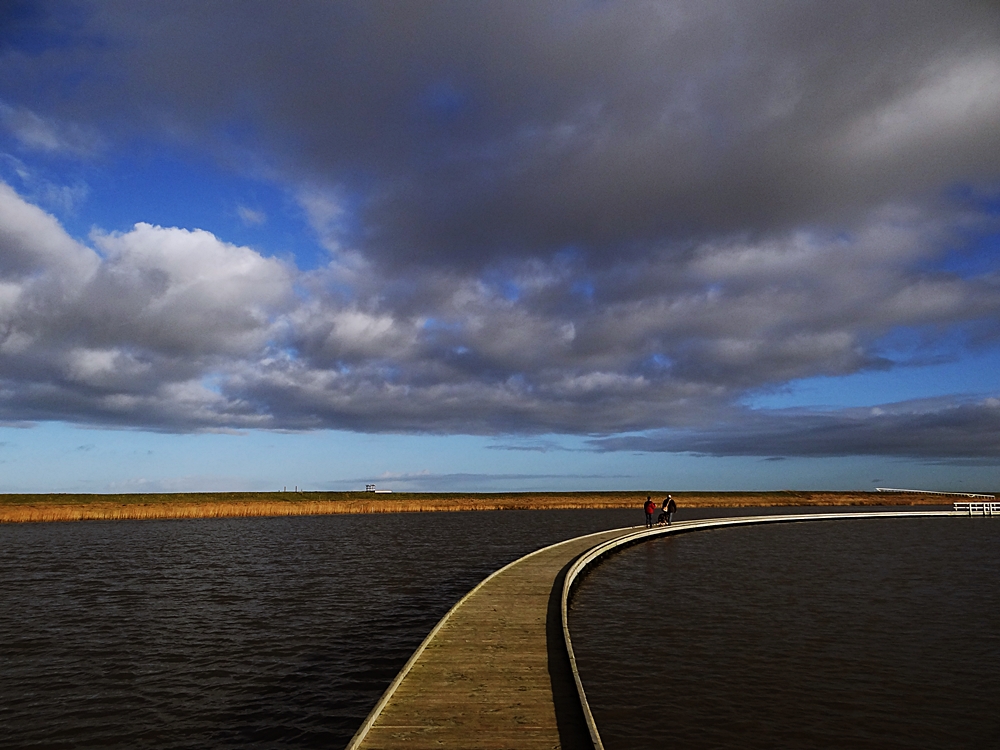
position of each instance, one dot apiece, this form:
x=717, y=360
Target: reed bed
x=80, y=507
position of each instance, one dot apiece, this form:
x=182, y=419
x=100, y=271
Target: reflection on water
x=231, y=633
x=857, y=633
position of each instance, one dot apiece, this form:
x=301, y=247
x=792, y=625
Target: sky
x=451, y=246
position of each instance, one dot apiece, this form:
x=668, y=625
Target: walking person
x=669, y=507
x=649, y=507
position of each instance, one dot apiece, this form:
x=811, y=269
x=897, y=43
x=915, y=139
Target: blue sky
x=612, y=247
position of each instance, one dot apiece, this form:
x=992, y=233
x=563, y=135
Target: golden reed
x=29, y=508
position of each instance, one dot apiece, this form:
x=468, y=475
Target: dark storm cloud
x=473, y=133
x=585, y=218
x=942, y=433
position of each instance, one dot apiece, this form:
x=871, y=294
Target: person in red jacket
x=650, y=508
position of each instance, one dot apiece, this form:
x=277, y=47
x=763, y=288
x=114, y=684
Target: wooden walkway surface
x=494, y=673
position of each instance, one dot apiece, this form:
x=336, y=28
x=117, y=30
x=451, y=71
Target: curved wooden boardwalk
x=493, y=673
x=499, y=672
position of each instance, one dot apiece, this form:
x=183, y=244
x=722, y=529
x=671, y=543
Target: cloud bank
x=951, y=432
x=541, y=218
x=175, y=329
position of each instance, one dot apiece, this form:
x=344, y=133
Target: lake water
x=834, y=634
x=284, y=632
x=234, y=633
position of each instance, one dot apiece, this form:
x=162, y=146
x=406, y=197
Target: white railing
x=979, y=509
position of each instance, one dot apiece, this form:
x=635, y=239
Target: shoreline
x=31, y=508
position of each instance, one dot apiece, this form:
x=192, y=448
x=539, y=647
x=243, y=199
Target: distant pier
x=498, y=671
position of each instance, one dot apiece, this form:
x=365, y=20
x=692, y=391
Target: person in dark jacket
x=669, y=508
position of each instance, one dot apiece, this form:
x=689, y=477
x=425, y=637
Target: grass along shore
x=84, y=507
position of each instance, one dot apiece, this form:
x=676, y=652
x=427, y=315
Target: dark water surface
x=833, y=634
x=234, y=633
